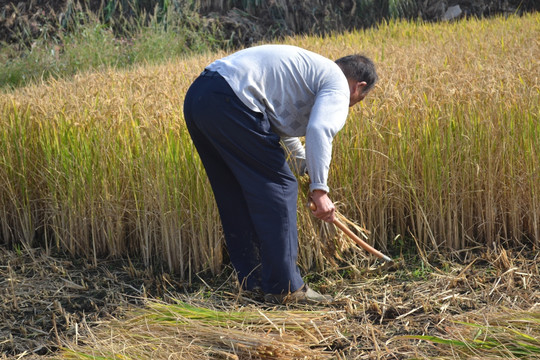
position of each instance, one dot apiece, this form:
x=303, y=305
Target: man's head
x=360, y=72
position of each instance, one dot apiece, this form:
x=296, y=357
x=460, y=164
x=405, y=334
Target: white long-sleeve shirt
x=300, y=92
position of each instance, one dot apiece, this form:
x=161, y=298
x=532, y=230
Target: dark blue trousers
x=255, y=190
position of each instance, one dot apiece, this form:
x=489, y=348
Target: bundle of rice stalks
x=499, y=335
x=188, y=331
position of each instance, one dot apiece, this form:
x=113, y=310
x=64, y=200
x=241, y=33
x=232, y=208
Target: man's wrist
x=318, y=193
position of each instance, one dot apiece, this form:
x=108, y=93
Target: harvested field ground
x=44, y=298
x=51, y=303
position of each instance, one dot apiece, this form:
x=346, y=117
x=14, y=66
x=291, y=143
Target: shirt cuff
x=316, y=186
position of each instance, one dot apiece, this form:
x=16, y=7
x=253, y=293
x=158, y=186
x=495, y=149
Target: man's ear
x=360, y=86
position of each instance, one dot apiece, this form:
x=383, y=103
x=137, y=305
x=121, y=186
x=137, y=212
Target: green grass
x=95, y=45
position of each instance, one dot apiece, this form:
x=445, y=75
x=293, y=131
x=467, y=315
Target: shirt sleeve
x=327, y=117
x=296, y=154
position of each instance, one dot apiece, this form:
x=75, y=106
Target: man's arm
x=327, y=117
x=296, y=155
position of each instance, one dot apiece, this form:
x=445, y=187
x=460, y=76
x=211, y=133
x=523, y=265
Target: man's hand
x=325, y=207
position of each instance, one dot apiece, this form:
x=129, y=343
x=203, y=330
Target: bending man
x=237, y=111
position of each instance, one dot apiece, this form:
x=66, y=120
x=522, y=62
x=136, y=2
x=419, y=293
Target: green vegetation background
x=43, y=39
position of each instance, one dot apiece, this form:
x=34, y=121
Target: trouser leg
x=240, y=236
x=239, y=143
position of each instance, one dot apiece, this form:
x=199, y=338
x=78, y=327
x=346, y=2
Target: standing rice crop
x=445, y=152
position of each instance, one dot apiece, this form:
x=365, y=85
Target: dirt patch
x=47, y=297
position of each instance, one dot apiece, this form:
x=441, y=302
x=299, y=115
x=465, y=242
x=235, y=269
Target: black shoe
x=255, y=294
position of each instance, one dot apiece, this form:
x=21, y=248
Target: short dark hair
x=359, y=68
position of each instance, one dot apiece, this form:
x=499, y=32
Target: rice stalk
x=187, y=331
x=504, y=335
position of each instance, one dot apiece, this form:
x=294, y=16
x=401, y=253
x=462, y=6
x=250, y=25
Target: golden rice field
x=442, y=158
x=445, y=153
